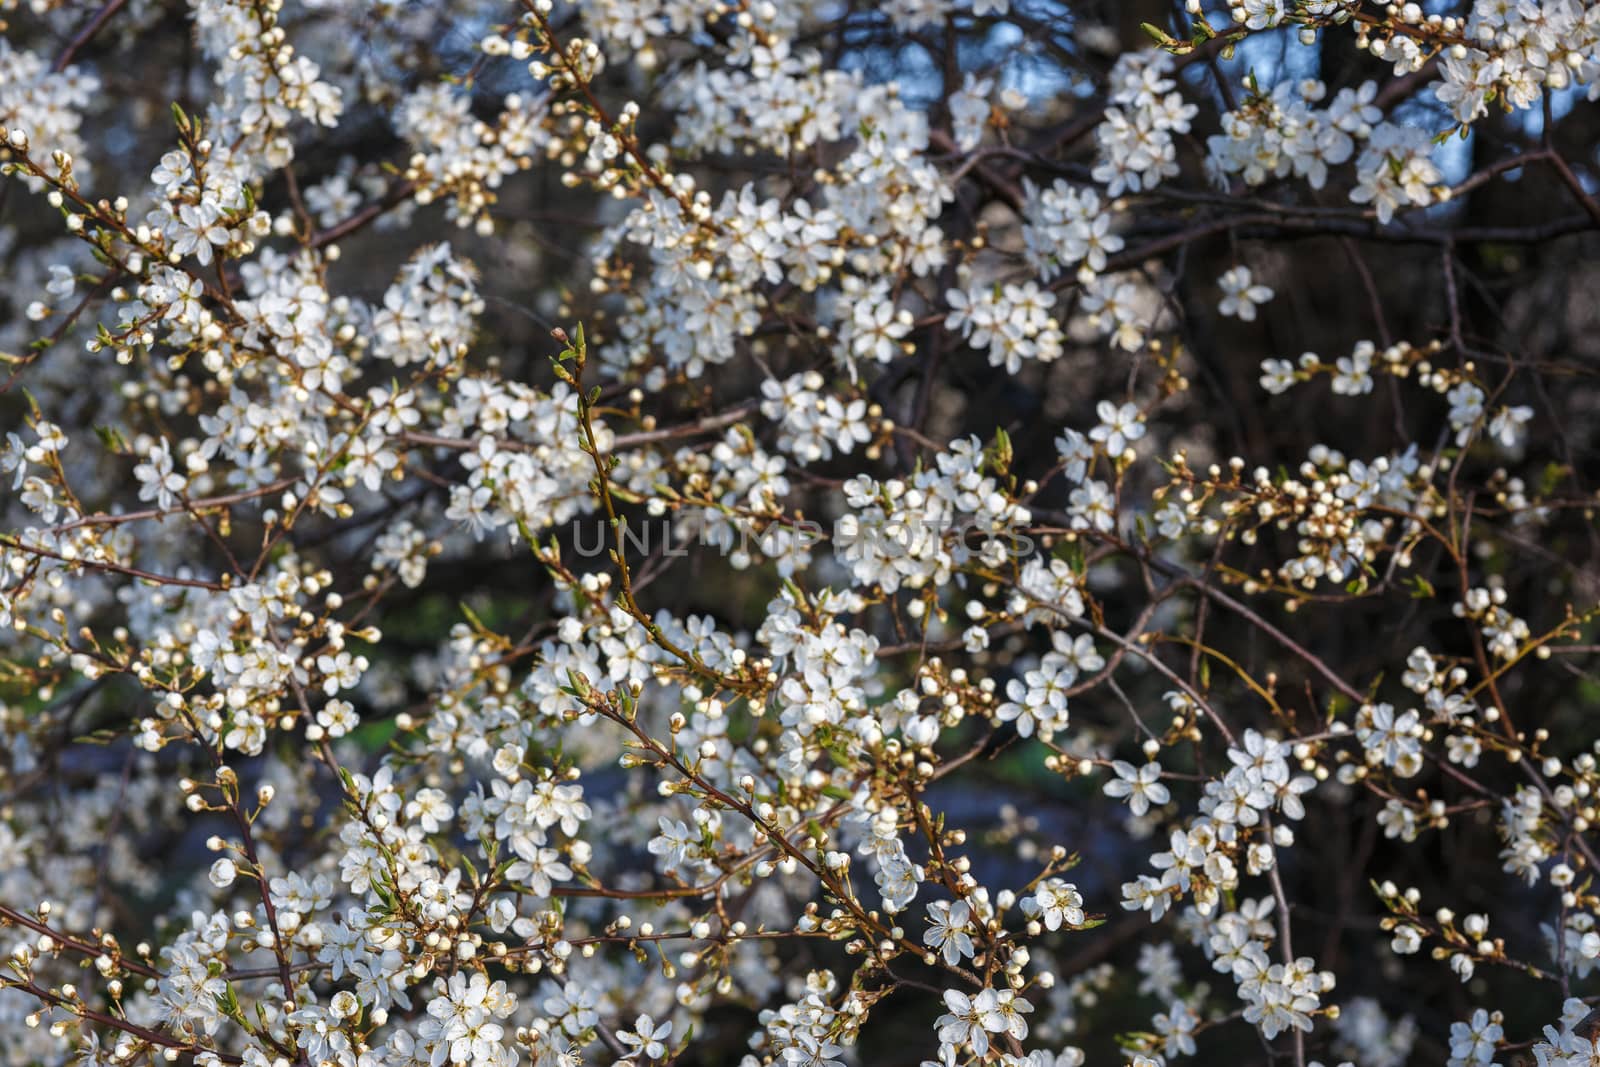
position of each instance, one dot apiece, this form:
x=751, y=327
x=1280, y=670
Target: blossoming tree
x=798, y=533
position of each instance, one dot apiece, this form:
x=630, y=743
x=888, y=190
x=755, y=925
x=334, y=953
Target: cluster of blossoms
x=927, y=596
x=1137, y=147
x=1276, y=134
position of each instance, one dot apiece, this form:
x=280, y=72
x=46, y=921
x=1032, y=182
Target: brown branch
x=101, y=518
x=12, y=915
x=337, y=232
x=105, y=565
x=1579, y=193
x=153, y=1037
x=95, y=24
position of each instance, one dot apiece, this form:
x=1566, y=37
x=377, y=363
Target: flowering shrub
x=1056, y=540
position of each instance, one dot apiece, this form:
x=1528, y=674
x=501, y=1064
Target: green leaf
x=1157, y=34
x=1003, y=452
